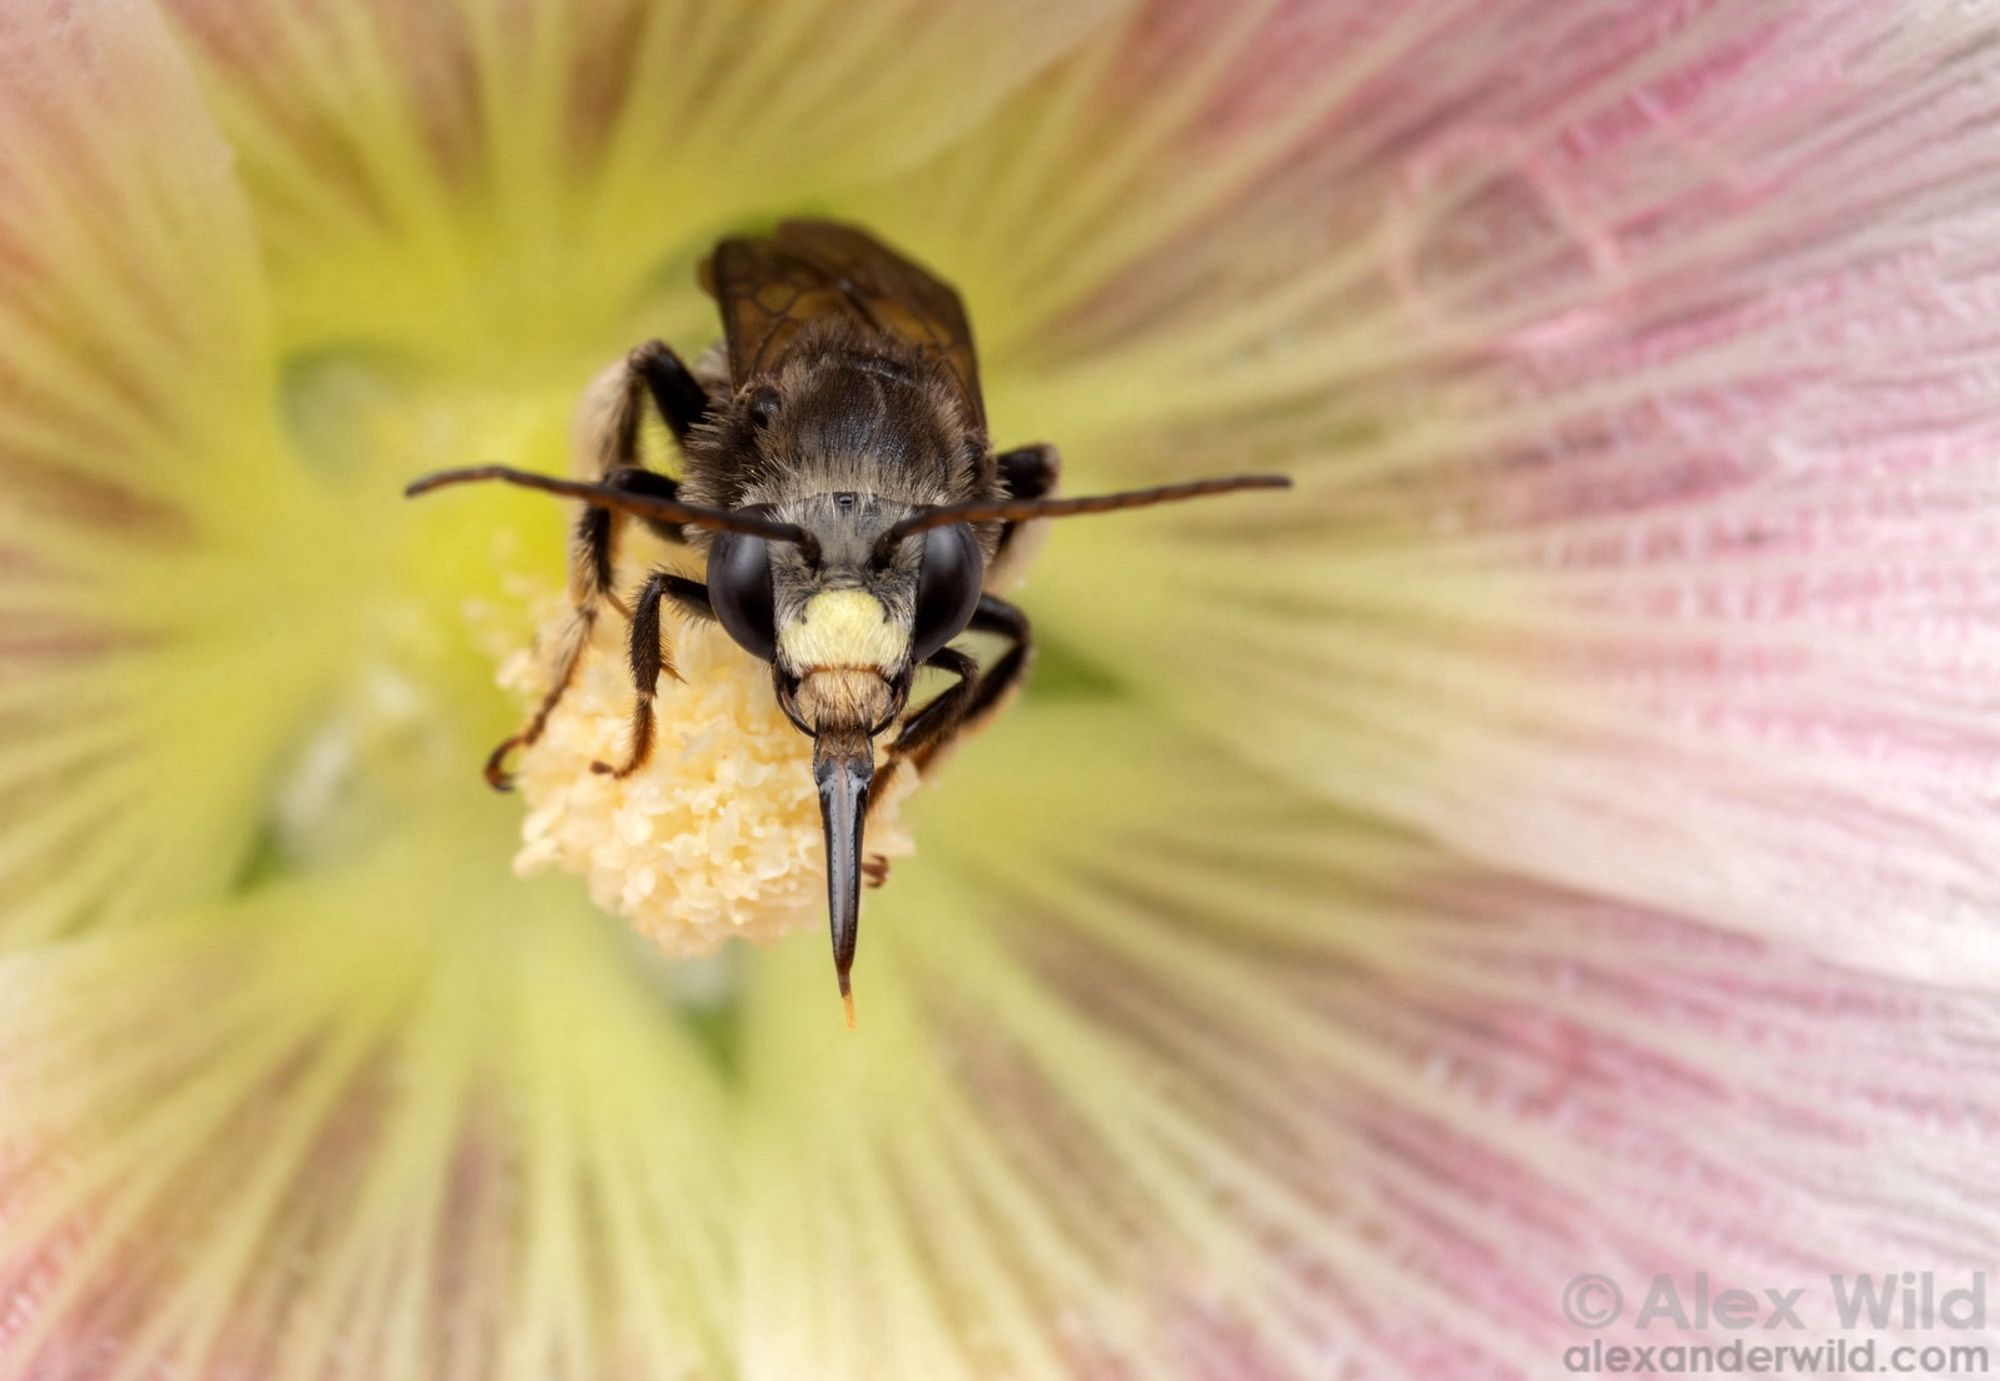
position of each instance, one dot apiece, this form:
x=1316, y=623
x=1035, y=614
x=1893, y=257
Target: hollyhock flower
x=1554, y=844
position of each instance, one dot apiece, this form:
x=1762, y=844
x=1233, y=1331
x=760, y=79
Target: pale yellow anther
x=719, y=834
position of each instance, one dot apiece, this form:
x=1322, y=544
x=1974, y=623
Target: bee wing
x=770, y=290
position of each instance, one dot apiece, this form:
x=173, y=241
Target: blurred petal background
x=1558, y=839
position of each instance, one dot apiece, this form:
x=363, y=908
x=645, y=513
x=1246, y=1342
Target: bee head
x=845, y=594
x=845, y=617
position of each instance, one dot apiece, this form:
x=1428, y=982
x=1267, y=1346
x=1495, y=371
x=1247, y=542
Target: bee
x=854, y=515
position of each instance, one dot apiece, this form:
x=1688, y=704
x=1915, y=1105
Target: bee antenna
x=1023, y=510
x=623, y=501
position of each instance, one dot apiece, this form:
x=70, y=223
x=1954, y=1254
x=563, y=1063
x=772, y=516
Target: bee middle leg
x=594, y=549
x=650, y=659
x=593, y=558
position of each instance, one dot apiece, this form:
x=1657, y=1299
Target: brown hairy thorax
x=847, y=411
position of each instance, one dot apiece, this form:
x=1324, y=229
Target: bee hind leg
x=1030, y=472
x=679, y=396
x=575, y=639
x=606, y=443
x=1026, y=472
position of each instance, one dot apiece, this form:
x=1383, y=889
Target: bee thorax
x=842, y=698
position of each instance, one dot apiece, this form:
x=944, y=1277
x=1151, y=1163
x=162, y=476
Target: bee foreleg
x=1004, y=677
x=978, y=695
x=946, y=708
x=594, y=551
x=650, y=660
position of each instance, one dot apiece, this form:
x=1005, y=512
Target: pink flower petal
x=1206, y=1105
x=1636, y=359
x=1642, y=400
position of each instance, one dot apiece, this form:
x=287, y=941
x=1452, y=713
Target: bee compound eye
x=948, y=585
x=739, y=591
